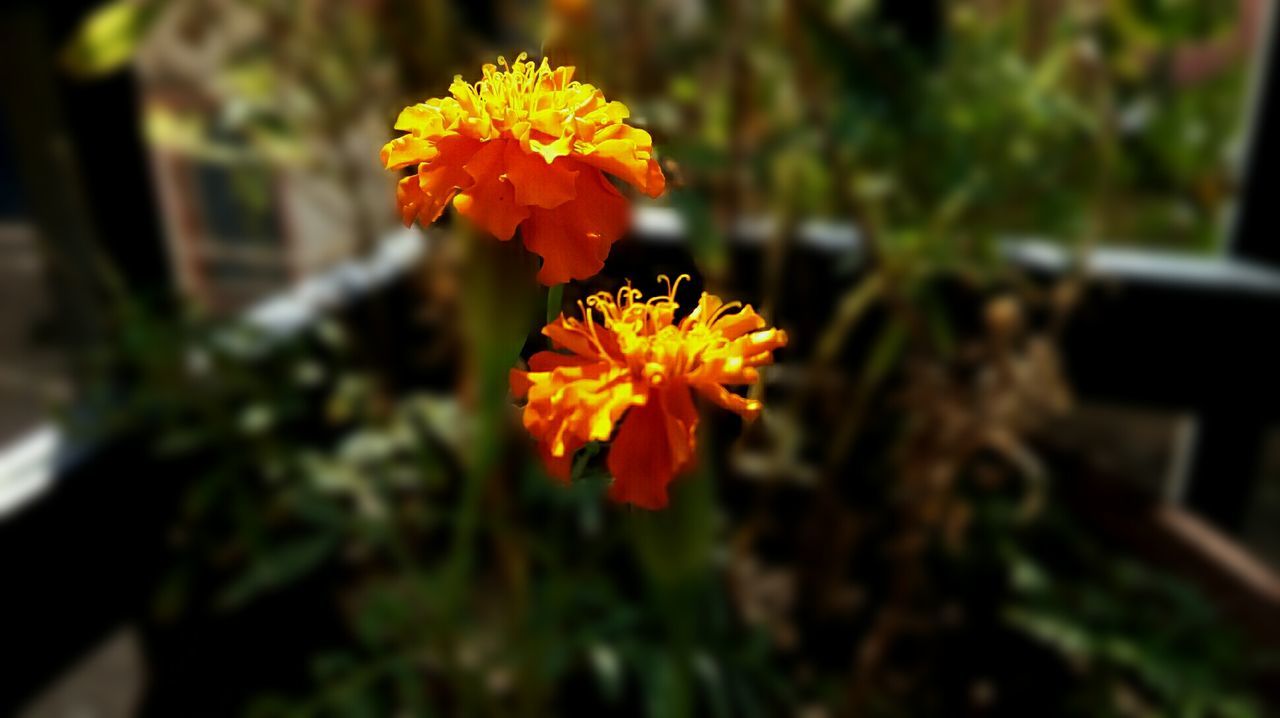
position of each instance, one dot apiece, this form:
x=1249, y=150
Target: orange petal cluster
x=629, y=363
x=526, y=146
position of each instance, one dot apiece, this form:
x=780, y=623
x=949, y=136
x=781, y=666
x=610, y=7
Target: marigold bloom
x=526, y=147
x=637, y=365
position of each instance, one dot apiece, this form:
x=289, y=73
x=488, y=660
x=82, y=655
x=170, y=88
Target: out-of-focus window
x=227, y=242
x=1181, y=73
x=263, y=133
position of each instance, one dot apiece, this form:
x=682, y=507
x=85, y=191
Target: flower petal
x=541, y=362
x=422, y=120
x=440, y=178
x=549, y=151
x=576, y=402
x=574, y=238
x=491, y=201
x=654, y=443
x=558, y=467
x=410, y=199
x=737, y=324
x=407, y=150
x=569, y=334
x=627, y=153
x=748, y=409
x=538, y=183
x=550, y=361
x=519, y=381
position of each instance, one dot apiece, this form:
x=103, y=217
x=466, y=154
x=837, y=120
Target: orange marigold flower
x=637, y=364
x=526, y=147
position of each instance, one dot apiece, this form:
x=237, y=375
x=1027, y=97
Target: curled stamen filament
x=724, y=309
x=672, y=287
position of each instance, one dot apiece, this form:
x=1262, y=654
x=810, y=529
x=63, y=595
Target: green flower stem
x=500, y=308
x=555, y=298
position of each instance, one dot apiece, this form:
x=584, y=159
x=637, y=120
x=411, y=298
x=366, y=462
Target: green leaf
x=279, y=566
x=109, y=37
x=668, y=688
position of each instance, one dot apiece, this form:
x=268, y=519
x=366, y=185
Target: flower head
x=630, y=361
x=526, y=147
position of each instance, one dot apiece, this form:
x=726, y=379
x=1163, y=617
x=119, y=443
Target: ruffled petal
x=550, y=361
x=640, y=459
x=573, y=403
x=572, y=334
x=627, y=153
x=422, y=120
x=574, y=238
x=756, y=348
x=748, y=409
x=537, y=183
x=542, y=362
x=558, y=467
x=565, y=335
x=407, y=150
x=654, y=443
x=578, y=404
x=410, y=199
x=682, y=427
x=548, y=121
x=550, y=151
x=519, y=381
x=441, y=178
x=491, y=201
x=732, y=326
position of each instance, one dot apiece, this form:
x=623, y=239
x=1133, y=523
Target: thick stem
x=500, y=309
